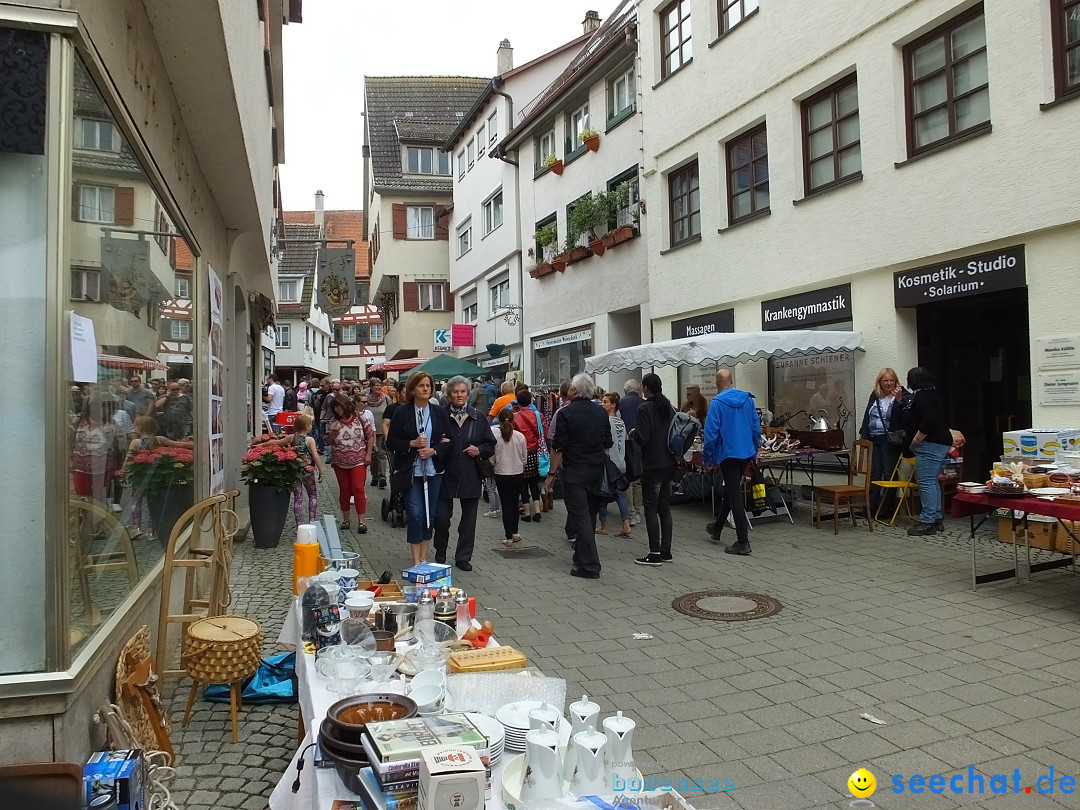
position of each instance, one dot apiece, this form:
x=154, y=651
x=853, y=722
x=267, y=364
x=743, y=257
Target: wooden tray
x=391, y=592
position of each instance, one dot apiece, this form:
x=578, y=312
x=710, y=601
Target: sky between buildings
x=341, y=41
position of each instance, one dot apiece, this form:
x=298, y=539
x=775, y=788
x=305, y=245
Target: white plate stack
x=493, y=730
x=514, y=718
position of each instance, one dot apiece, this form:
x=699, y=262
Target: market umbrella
x=445, y=366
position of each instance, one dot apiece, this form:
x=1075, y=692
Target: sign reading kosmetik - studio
x=830, y=305
x=712, y=323
x=970, y=275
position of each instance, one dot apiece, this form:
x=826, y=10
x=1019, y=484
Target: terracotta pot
x=542, y=269
x=597, y=247
x=559, y=263
x=556, y=167
x=623, y=234
x=592, y=143
x=577, y=254
x=609, y=239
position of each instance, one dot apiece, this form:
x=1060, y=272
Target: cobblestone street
x=871, y=623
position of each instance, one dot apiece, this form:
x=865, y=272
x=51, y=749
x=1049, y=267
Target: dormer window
x=426, y=160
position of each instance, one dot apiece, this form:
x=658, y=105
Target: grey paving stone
x=861, y=747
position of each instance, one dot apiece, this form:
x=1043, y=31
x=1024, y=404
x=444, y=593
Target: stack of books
x=394, y=749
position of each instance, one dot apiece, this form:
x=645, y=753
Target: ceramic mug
x=346, y=579
x=359, y=604
x=428, y=699
x=429, y=677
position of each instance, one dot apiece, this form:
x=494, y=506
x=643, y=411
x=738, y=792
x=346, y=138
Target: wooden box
x=391, y=592
x=1047, y=535
x=819, y=439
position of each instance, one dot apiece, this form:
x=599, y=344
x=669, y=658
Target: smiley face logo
x=862, y=784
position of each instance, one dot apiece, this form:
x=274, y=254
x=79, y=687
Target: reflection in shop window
x=553, y=364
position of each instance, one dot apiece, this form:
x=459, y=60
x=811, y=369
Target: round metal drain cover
x=727, y=606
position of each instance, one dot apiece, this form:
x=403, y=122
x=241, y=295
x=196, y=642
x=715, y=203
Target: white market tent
x=724, y=349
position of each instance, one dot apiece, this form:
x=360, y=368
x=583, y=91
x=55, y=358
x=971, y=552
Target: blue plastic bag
x=273, y=682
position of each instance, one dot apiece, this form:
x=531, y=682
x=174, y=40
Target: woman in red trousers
x=353, y=439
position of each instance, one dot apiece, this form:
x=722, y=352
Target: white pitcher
x=619, y=731
x=547, y=716
x=543, y=766
x=590, y=771
x=583, y=716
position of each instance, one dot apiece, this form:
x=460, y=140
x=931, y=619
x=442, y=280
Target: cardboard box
x=426, y=573
x=1040, y=443
x=452, y=778
x=1046, y=533
x=119, y=775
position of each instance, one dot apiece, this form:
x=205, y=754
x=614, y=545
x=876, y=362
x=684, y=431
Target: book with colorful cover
x=383, y=799
x=397, y=740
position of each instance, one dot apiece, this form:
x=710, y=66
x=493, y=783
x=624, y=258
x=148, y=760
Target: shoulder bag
x=543, y=460
x=897, y=438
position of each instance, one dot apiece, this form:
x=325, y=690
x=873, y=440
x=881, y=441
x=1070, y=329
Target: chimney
x=591, y=22
x=320, y=218
x=505, y=61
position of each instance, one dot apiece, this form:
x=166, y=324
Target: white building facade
x=911, y=175
x=587, y=290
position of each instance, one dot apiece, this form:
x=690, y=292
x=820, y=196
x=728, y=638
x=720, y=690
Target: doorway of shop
x=977, y=350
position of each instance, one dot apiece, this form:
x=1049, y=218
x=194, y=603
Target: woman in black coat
x=884, y=413
x=419, y=438
x=931, y=441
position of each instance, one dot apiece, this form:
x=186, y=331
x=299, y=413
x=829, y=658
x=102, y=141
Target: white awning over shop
x=724, y=349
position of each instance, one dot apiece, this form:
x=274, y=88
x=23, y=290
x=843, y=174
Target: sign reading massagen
x=969, y=275
x=829, y=305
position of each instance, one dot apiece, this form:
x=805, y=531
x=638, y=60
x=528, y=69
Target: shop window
x=948, y=84
x=675, y=46
x=560, y=357
x=748, y=175
x=831, y=147
x=1066, y=33
x=350, y=372
x=684, y=197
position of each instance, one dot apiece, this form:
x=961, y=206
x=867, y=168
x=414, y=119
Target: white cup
x=429, y=677
x=428, y=699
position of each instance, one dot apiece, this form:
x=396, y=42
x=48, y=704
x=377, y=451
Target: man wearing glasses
x=139, y=398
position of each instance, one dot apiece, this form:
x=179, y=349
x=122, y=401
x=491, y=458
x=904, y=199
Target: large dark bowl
x=349, y=717
x=328, y=735
x=347, y=765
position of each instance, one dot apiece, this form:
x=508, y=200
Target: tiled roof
x=299, y=255
x=338, y=225
x=184, y=259
x=427, y=108
x=90, y=104
x=302, y=308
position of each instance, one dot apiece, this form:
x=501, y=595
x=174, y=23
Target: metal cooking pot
x=394, y=617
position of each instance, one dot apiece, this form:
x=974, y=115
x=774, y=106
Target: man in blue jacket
x=732, y=436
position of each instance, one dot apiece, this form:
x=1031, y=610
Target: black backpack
x=682, y=431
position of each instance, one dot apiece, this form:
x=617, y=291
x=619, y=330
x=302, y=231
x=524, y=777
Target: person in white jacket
x=509, y=460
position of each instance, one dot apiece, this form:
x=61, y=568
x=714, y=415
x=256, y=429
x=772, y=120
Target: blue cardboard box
x=115, y=779
x=426, y=572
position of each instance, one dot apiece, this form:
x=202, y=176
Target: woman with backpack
x=654, y=417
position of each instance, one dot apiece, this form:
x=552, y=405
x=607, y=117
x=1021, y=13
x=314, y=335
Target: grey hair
x=631, y=386
x=584, y=385
x=454, y=382
x=507, y=387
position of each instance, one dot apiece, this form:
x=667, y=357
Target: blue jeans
x=417, y=531
x=929, y=458
x=624, y=507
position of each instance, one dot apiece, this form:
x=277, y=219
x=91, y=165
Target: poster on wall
x=217, y=386
x=809, y=386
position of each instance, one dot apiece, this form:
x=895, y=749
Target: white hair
x=454, y=382
x=631, y=386
x=584, y=385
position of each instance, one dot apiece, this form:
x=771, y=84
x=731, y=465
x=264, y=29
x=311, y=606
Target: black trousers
x=581, y=506
x=466, y=527
x=656, y=499
x=731, y=469
x=510, y=488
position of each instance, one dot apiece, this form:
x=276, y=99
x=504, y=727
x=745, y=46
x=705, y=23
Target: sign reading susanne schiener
x=970, y=275
x=829, y=305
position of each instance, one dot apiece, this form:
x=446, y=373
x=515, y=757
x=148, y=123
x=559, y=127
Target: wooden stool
x=222, y=649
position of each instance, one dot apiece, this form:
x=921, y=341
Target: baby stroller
x=393, y=506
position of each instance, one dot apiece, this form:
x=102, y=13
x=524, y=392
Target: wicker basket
x=223, y=649
x=1036, y=480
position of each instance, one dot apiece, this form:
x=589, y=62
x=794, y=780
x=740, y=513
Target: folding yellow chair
x=902, y=480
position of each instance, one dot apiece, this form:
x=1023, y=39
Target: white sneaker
x=494, y=513
x=117, y=507
x=635, y=519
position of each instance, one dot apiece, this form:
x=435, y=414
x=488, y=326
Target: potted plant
x=270, y=472
x=620, y=198
x=546, y=238
x=591, y=139
x=167, y=476
x=552, y=162
x=593, y=213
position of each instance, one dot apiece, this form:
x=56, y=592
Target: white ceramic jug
x=583, y=716
x=547, y=716
x=620, y=754
x=590, y=771
x=543, y=766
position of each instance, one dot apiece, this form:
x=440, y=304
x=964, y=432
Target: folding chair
x=902, y=480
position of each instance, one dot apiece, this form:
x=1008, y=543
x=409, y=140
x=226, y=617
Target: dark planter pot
x=166, y=506
x=269, y=507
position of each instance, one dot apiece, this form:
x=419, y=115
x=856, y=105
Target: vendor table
x=970, y=504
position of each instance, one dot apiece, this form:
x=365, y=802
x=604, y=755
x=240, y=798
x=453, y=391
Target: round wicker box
x=222, y=649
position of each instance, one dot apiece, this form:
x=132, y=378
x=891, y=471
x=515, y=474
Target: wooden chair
x=903, y=481
x=88, y=520
x=854, y=493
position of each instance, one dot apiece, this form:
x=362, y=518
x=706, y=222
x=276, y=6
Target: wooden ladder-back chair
x=88, y=521
x=904, y=483
x=856, y=492
x=201, y=546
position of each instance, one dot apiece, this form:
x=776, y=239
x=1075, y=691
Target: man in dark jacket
x=471, y=439
x=657, y=469
x=628, y=408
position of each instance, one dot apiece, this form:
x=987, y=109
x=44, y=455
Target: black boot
x=920, y=529
x=740, y=547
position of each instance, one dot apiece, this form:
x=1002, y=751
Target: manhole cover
x=726, y=606
x=524, y=551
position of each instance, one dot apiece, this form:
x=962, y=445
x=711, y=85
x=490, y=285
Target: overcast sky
x=341, y=41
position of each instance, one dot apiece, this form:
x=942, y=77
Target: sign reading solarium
x=970, y=275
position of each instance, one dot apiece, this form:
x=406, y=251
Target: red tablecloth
x=968, y=503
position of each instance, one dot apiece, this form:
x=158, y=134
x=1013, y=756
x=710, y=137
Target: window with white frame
x=85, y=284
x=481, y=139
x=499, y=293
x=101, y=136
x=464, y=237
x=348, y=334
x=461, y=163
x=180, y=330
x=545, y=148
x=426, y=160
x=621, y=94
x=576, y=123
x=284, y=336
x=288, y=290
x=493, y=127
x=182, y=289
x=420, y=222
x=375, y=333
x=97, y=204
x=432, y=295
x=469, y=310
x=470, y=152
x=627, y=212
x=493, y=212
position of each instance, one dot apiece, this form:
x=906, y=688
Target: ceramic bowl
x=430, y=677
x=349, y=716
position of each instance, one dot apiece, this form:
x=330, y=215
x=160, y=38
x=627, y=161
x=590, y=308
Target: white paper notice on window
x=84, y=357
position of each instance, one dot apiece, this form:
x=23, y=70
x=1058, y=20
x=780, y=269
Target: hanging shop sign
x=1058, y=352
x=336, y=279
x=441, y=340
x=958, y=278
x=828, y=305
x=711, y=323
x=463, y=334
x=561, y=340
x=495, y=362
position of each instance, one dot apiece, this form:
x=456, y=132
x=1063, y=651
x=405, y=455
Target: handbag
x=485, y=467
x=543, y=460
x=896, y=438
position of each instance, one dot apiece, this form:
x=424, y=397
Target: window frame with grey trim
x=814, y=129
x=691, y=172
x=731, y=170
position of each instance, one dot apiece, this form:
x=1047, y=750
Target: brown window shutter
x=410, y=296
x=125, y=206
x=442, y=227
x=401, y=222
x=76, y=208
x=448, y=297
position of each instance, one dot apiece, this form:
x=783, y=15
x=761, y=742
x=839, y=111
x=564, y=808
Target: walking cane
x=423, y=474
